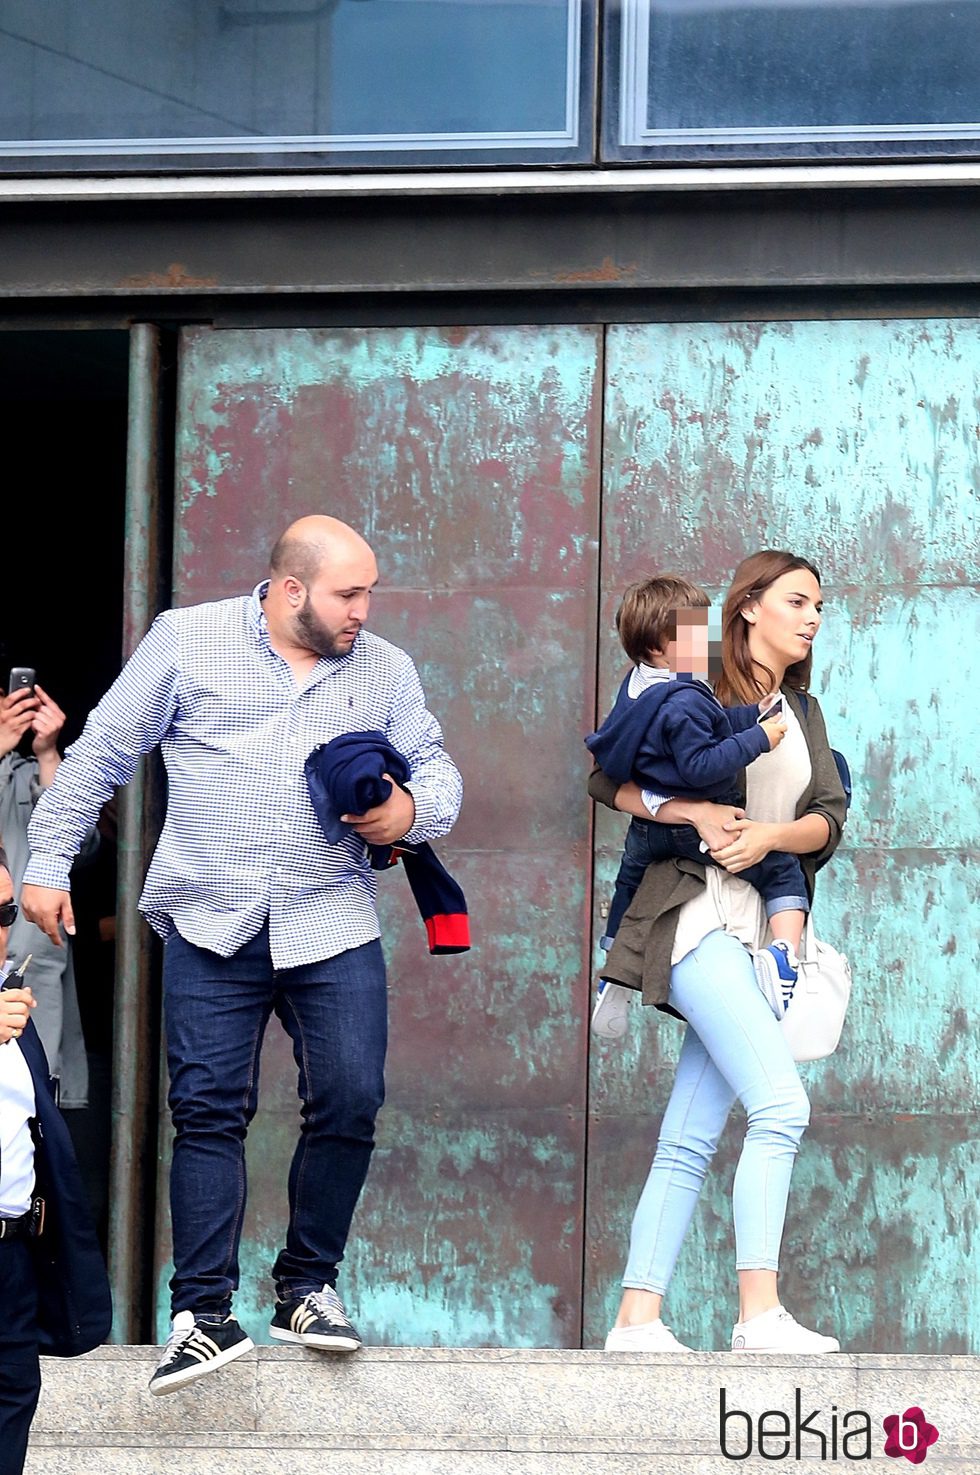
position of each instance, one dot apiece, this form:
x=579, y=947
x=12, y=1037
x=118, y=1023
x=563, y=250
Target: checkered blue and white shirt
x=241, y=841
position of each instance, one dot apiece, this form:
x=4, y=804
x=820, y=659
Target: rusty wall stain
x=607, y=271
x=176, y=278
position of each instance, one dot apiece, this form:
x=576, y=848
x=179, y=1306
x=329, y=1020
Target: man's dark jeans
x=20, y=1376
x=216, y=1010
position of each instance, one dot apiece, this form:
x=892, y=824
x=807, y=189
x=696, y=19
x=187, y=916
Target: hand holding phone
x=21, y=678
x=17, y=708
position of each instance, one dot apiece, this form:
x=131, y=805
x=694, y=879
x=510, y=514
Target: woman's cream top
x=773, y=784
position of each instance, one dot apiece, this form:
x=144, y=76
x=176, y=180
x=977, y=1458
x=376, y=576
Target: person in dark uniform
x=54, y=1291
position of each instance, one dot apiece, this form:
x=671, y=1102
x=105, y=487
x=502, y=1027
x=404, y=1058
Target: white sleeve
x=653, y=801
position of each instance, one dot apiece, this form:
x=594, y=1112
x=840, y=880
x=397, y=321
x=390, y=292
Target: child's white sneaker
x=609, y=1015
x=649, y=1336
x=776, y=1331
x=776, y=971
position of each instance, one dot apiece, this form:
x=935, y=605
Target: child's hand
x=775, y=731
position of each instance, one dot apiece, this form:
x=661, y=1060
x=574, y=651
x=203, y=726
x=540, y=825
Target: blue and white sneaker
x=610, y=1013
x=776, y=971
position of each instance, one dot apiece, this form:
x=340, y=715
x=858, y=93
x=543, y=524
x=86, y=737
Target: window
x=792, y=78
x=137, y=83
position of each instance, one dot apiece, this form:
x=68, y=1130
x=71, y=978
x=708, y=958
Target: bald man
x=257, y=910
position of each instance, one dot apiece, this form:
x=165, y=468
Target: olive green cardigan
x=640, y=955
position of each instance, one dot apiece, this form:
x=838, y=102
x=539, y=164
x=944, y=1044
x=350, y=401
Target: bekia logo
x=909, y=1434
x=778, y=1435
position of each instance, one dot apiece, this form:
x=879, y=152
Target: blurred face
x=784, y=620
x=336, y=604
x=687, y=654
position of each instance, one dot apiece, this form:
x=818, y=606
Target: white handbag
x=813, y=1022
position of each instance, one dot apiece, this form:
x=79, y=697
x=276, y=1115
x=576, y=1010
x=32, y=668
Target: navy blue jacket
x=74, y=1311
x=676, y=736
x=346, y=776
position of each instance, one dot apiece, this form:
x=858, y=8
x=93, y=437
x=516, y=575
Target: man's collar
x=256, y=614
x=260, y=628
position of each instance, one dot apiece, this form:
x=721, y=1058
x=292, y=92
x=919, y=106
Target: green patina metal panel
x=856, y=444
x=470, y=458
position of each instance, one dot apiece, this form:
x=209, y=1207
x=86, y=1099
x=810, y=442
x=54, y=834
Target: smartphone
x=776, y=710
x=21, y=679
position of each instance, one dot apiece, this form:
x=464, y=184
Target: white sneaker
x=777, y=1331
x=610, y=1014
x=649, y=1336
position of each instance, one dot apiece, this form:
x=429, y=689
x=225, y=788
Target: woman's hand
x=16, y=716
x=748, y=842
x=714, y=822
x=711, y=821
x=48, y=722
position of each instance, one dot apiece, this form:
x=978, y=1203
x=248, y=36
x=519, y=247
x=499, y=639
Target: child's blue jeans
x=778, y=877
x=733, y=1048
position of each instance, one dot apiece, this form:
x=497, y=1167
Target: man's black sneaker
x=196, y=1348
x=315, y=1320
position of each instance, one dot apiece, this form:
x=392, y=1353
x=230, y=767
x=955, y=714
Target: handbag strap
x=808, y=955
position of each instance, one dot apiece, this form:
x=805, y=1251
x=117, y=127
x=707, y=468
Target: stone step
x=473, y=1411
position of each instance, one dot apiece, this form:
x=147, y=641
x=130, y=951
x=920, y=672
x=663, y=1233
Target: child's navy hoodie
x=676, y=736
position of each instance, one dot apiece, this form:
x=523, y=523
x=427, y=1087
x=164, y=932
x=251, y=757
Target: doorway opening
x=63, y=411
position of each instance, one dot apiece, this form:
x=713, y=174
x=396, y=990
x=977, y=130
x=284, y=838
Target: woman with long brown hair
x=687, y=942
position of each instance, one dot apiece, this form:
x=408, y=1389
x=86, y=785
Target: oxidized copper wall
x=470, y=459
x=856, y=444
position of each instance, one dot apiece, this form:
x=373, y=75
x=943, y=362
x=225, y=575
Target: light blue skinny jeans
x=733, y=1048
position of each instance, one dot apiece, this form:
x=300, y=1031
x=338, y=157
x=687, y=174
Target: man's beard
x=315, y=635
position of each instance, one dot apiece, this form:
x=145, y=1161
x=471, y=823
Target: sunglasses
x=8, y=913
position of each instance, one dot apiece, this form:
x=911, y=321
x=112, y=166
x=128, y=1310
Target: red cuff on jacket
x=448, y=934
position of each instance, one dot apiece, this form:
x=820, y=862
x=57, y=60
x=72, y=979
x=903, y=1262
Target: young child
x=669, y=733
